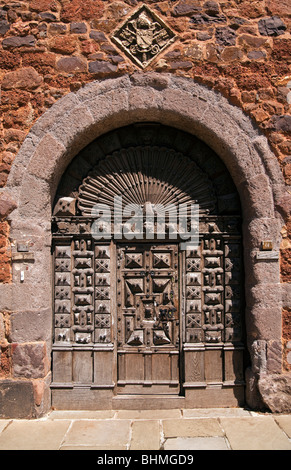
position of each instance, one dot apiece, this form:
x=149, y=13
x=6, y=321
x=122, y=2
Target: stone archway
x=79, y=118
x=165, y=318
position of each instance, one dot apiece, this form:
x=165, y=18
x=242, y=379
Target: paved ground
x=200, y=429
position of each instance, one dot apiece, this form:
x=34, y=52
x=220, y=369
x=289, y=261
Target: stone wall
x=49, y=48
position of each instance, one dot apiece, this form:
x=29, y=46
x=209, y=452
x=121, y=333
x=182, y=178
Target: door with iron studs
x=148, y=336
x=147, y=318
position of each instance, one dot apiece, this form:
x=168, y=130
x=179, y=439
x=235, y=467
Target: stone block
x=282, y=123
x=42, y=395
x=44, y=161
x=29, y=360
x=32, y=325
x=145, y=435
x=261, y=270
x=98, y=434
x=255, y=433
x=55, y=115
x=34, y=435
x=275, y=390
x=35, y=199
x=137, y=98
x=18, y=297
x=264, y=323
x=20, y=163
x=18, y=41
x=266, y=296
x=186, y=8
x=252, y=395
x=79, y=414
x=191, y=427
x=284, y=421
x=63, y=44
x=148, y=414
x=26, y=78
x=274, y=356
x=72, y=64
x=102, y=68
x=4, y=27
x=7, y=204
x=278, y=7
x=16, y=399
x=271, y=26
x=74, y=11
x=153, y=80
x=258, y=194
x=196, y=443
x=109, y=108
x=74, y=130
x=2, y=329
x=78, y=28
x=225, y=36
x=260, y=229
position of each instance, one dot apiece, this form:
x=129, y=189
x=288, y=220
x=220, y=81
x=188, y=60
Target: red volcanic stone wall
x=240, y=48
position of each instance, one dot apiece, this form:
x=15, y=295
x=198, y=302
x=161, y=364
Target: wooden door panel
x=147, y=317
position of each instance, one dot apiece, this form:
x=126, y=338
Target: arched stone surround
x=77, y=119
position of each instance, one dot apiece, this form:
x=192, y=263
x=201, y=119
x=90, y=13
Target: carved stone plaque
x=143, y=36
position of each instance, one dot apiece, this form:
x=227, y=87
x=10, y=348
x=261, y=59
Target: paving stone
x=99, y=435
x=148, y=414
x=214, y=412
x=145, y=435
x=188, y=427
x=196, y=443
x=255, y=433
x=82, y=414
x=33, y=435
x=3, y=424
x=284, y=421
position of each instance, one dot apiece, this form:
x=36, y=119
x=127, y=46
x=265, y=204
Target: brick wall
x=240, y=48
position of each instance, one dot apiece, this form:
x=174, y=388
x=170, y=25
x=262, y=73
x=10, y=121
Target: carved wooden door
x=148, y=319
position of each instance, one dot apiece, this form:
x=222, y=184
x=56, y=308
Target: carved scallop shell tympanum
x=146, y=176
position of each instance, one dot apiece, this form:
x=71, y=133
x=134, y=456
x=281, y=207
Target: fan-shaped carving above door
x=146, y=176
x=149, y=163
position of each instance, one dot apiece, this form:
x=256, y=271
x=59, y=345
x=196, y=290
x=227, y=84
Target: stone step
x=146, y=402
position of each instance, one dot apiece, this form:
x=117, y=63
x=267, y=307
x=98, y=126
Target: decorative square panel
x=135, y=285
x=102, y=306
x=193, y=292
x=193, y=279
x=102, y=321
x=193, y=306
x=62, y=320
x=143, y=36
x=162, y=260
x=193, y=264
x=62, y=265
x=62, y=293
x=102, y=266
x=62, y=306
x=133, y=260
x=193, y=320
x=102, y=293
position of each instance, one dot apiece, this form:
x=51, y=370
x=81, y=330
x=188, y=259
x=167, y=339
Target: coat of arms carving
x=143, y=36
